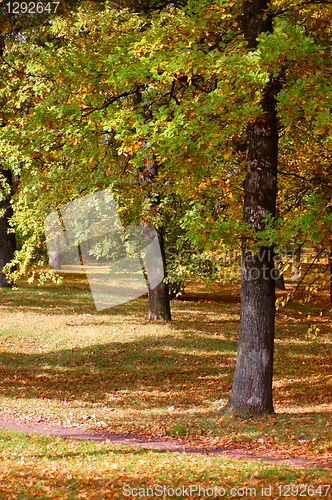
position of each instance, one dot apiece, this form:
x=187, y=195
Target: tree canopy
x=209, y=76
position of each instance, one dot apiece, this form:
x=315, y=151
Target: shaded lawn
x=40, y=467
x=63, y=362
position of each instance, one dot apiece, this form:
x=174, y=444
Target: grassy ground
x=62, y=362
x=38, y=467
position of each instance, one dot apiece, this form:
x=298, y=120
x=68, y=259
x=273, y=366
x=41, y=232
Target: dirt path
x=171, y=446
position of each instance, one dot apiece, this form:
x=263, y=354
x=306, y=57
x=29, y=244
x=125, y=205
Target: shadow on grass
x=191, y=368
x=143, y=373
x=74, y=296
x=147, y=373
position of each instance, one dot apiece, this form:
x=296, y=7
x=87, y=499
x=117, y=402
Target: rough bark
x=252, y=381
x=7, y=239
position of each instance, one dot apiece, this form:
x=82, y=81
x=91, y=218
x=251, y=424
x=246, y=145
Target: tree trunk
x=252, y=381
x=278, y=276
x=7, y=239
x=329, y=210
x=330, y=273
x=54, y=260
x=140, y=6
x=159, y=302
x=296, y=262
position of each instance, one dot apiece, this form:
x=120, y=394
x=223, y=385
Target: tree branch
x=110, y=101
x=303, y=4
x=294, y=175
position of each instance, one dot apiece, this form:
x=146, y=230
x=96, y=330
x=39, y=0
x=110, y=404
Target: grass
x=40, y=467
x=62, y=362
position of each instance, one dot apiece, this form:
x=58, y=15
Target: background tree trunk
x=296, y=262
x=252, y=381
x=278, y=276
x=54, y=261
x=329, y=209
x=140, y=6
x=330, y=272
x=159, y=301
x=7, y=239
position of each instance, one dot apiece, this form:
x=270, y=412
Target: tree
x=220, y=82
x=7, y=236
x=40, y=37
x=159, y=298
x=12, y=26
x=252, y=385
x=252, y=381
